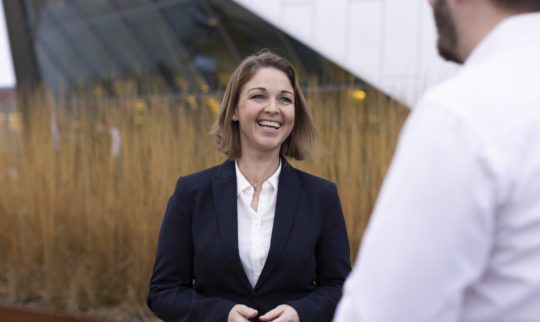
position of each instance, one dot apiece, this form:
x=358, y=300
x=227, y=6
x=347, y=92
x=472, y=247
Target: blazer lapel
x=286, y=204
x=224, y=192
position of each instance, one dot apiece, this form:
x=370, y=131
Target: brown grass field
x=78, y=226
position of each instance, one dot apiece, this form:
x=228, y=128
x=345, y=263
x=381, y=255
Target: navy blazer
x=198, y=275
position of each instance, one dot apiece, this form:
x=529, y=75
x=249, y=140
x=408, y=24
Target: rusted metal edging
x=14, y=313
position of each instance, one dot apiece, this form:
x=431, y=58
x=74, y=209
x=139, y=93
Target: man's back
x=455, y=234
x=496, y=99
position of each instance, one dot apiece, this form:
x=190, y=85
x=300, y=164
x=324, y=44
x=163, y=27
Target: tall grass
x=79, y=226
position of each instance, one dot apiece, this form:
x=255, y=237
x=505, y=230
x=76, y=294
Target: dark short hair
x=303, y=138
x=519, y=6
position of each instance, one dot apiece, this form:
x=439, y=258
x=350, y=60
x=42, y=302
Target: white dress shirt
x=455, y=233
x=255, y=227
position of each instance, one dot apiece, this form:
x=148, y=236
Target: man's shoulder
x=495, y=93
x=494, y=84
x=467, y=87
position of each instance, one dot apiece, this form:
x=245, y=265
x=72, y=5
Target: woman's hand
x=241, y=313
x=282, y=313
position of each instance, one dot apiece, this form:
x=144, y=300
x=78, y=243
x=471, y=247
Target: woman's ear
x=234, y=116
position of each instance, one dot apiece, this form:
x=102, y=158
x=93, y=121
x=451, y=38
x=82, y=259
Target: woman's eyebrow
x=256, y=88
x=264, y=89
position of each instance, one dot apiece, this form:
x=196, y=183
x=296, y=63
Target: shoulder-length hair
x=303, y=138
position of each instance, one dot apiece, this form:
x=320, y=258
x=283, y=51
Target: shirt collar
x=242, y=183
x=274, y=179
x=511, y=33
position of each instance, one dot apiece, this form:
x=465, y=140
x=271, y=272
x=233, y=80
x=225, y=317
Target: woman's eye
x=286, y=100
x=257, y=97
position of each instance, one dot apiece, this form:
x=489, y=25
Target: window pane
x=92, y=8
x=197, y=31
x=161, y=46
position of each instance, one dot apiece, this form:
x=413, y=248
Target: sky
x=7, y=75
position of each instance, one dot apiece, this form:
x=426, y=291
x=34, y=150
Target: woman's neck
x=257, y=169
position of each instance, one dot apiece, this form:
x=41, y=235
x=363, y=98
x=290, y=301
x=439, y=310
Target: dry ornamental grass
x=79, y=225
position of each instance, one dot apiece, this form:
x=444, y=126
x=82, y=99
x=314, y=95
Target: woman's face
x=265, y=111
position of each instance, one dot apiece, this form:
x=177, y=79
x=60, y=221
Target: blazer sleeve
x=333, y=265
x=171, y=296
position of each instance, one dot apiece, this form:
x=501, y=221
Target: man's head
x=447, y=43
x=462, y=24
x=518, y=6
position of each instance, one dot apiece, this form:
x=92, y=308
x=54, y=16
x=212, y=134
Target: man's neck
x=481, y=21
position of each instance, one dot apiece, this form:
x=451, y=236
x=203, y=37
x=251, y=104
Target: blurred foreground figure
x=455, y=233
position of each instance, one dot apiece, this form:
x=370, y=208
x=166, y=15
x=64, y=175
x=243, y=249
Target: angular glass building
x=150, y=46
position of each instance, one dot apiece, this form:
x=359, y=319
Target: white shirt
x=255, y=227
x=455, y=234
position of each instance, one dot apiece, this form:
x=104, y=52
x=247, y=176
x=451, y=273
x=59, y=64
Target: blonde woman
x=254, y=239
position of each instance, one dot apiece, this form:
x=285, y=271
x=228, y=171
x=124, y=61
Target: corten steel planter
x=12, y=313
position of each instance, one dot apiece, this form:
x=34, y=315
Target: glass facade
x=163, y=46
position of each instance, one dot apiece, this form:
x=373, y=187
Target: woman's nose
x=272, y=106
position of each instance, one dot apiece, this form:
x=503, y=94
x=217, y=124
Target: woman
x=253, y=239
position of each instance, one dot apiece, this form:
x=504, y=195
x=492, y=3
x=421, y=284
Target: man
x=455, y=234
